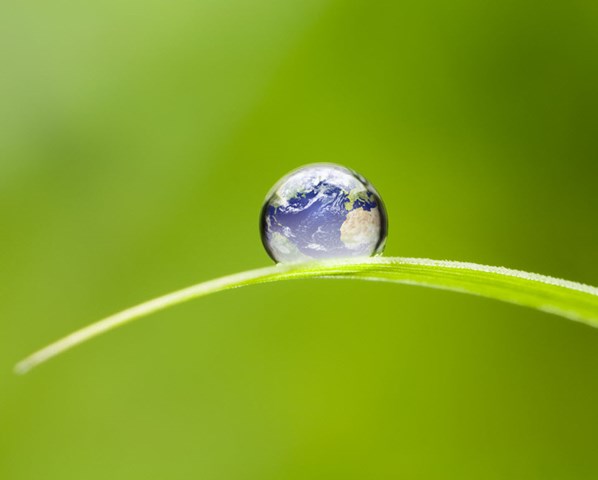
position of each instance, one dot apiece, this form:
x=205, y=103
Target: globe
x=323, y=211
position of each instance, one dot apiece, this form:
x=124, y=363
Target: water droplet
x=322, y=211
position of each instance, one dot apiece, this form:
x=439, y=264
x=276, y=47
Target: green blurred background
x=137, y=142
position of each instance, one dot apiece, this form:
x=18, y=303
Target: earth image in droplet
x=323, y=211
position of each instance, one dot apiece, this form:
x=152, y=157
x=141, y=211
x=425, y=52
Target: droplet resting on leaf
x=323, y=211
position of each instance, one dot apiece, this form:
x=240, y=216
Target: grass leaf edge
x=572, y=300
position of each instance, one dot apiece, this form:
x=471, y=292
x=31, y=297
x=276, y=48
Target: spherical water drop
x=322, y=211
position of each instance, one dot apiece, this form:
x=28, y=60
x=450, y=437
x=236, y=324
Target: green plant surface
x=568, y=299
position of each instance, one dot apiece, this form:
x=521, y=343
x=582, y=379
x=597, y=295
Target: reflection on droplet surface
x=322, y=211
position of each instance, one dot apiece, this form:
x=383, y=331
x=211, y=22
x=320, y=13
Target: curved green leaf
x=571, y=300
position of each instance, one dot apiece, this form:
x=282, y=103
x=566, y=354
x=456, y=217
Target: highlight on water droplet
x=323, y=211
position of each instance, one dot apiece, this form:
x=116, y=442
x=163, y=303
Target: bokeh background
x=137, y=142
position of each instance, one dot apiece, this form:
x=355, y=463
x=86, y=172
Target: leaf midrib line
x=571, y=300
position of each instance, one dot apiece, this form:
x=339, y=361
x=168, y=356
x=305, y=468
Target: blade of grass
x=571, y=300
